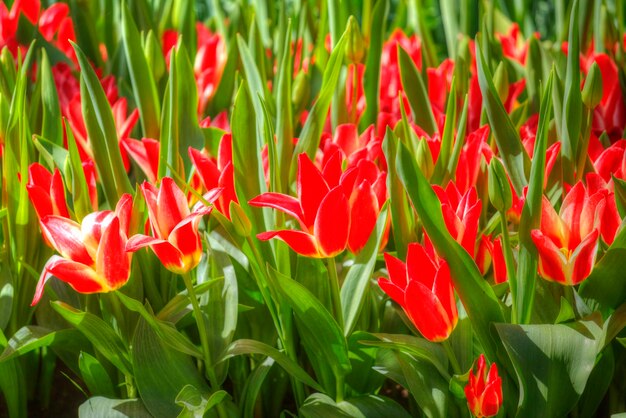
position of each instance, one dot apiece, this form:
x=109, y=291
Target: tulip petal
x=284, y=203
x=172, y=206
x=332, y=223
x=123, y=210
x=112, y=261
x=41, y=201
x=583, y=258
x=186, y=238
x=425, y=311
x=442, y=288
x=82, y=278
x=572, y=209
x=363, y=212
x=206, y=168
x=66, y=237
x=552, y=262
x=420, y=266
x=312, y=189
x=170, y=256
x=299, y=241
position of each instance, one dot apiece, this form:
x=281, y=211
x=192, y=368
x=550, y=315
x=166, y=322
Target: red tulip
x=461, y=214
x=611, y=220
x=93, y=254
x=176, y=240
x=484, y=393
x=424, y=289
x=146, y=155
x=46, y=191
x=567, y=242
x=217, y=174
x=490, y=253
x=322, y=212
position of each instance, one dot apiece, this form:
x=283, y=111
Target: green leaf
x=144, y=87
x=160, y=372
x=480, y=302
x=102, y=336
x=523, y=291
x=507, y=138
x=195, y=403
x=284, y=117
x=552, y=363
x=416, y=93
x=102, y=132
x=12, y=385
x=95, y=376
x=51, y=128
x=244, y=346
x=32, y=337
x=371, y=77
x=253, y=387
x=100, y=407
x=447, y=137
x=357, y=281
x=79, y=189
x=420, y=378
x=312, y=130
x=166, y=332
x=223, y=96
x=371, y=406
x=572, y=100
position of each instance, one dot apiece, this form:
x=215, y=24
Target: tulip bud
x=242, y=224
x=355, y=48
x=592, y=91
x=498, y=186
x=501, y=81
x=301, y=91
x=425, y=158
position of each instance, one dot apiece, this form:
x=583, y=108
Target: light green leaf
x=100, y=407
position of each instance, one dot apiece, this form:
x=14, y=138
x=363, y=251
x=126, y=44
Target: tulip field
x=313, y=208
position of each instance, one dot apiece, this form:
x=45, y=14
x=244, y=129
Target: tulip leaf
x=253, y=387
x=477, y=296
x=371, y=77
x=144, y=87
x=12, y=385
x=284, y=117
x=167, y=332
x=312, y=130
x=416, y=93
x=244, y=346
x=420, y=378
x=102, y=132
x=552, y=363
x=507, y=137
x=447, y=138
x=160, y=372
x=99, y=333
x=223, y=96
x=321, y=336
x=572, y=99
x=195, y=404
x=79, y=188
x=101, y=407
x=32, y=337
x=357, y=281
x=95, y=376
x=524, y=291
x=319, y=405
x=402, y=219
x=51, y=128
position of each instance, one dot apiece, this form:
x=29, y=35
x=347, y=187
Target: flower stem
x=510, y=265
x=334, y=291
x=204, y=341
x=451, y=357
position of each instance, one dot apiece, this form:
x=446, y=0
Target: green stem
x=510, y=266
x=131, y=392
x=204, y=340
x=335, y=294
x=355, y=91
x=451, y=357
x=339, y=397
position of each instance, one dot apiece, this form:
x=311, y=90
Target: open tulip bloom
x=424, y=289
x=176, y=241
x=93, y=256
x=567, y=242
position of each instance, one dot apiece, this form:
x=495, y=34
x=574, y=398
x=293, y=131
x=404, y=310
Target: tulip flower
x=176, y=241
x=46, y=191
x=93, y=254
x=220, y=174
x=461, y=214
x=611, y=220
x=322, y=212
x=567, y=242
x=484, y=393
x=423, y=288
x=146, y=155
